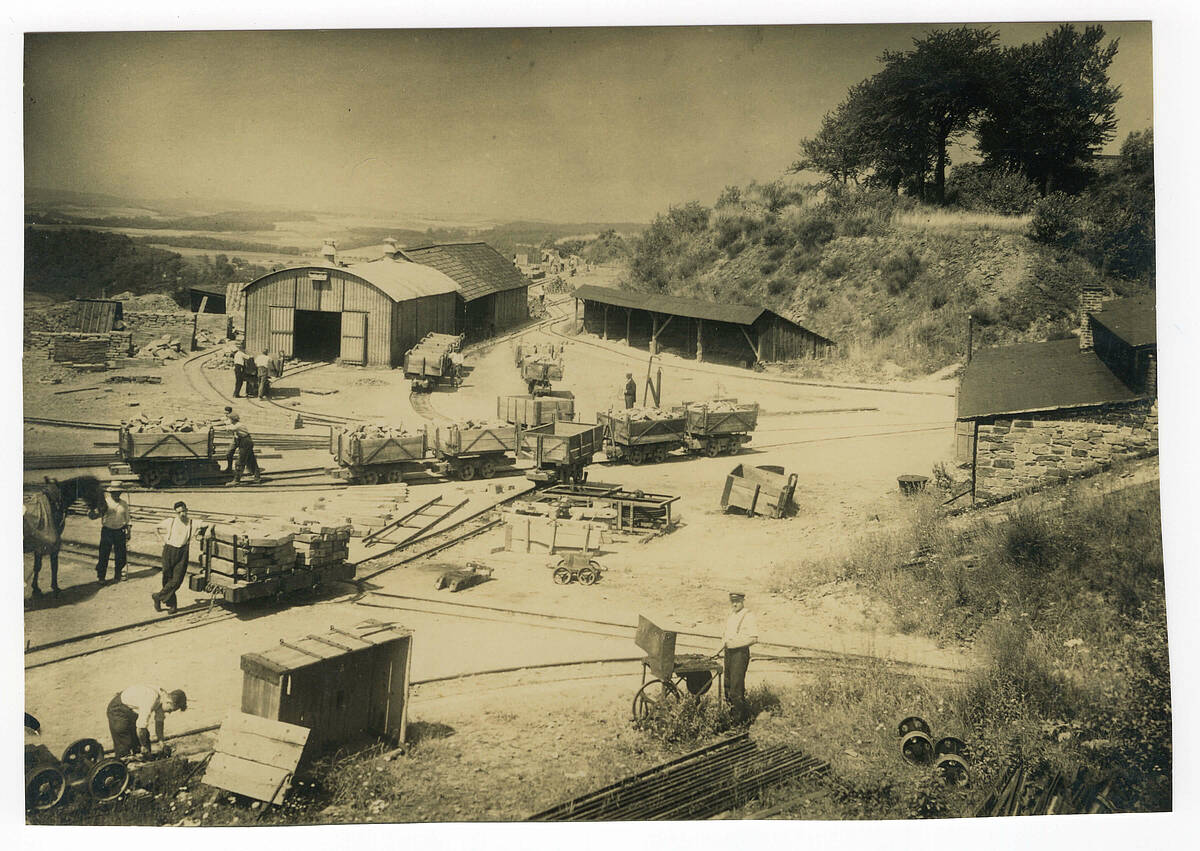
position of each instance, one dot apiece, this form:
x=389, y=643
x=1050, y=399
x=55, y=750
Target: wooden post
x=653, y=332
x=750, y=343
x=628, y=318
x=195, y=321
x=700, y=339
x=970, y=335
x=605, y=337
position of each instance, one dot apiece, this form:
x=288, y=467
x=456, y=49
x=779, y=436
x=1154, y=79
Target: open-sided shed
x=730, y=333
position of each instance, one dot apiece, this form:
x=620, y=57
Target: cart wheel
x=636, y=455
x=371, y=477
x=487, y=469
x=44, y=787
x=562, y=576
x=712, y=449
x=466, y=472
x=80, y=756
x=587, y=576
x=952, y=769
x=651, y=695
x=916, y=748
x=914, y=722
x=180, y=475
x=660, y=455
x=697, y=683
x=108, y=780
x=153, y=478
x=395, y=476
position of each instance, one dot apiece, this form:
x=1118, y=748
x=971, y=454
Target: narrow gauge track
x=423, y=405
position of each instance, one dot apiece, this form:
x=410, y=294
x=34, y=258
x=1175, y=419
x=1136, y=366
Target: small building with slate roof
x=739, y=334
x=1039, y=413
x=493, y=294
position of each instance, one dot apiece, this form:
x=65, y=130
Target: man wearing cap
x=114, y=532
x=129, y=714
x=741, y=630
x=246, y=459
x=630, y=390
x=240, y=373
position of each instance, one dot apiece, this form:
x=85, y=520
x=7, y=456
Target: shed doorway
x=318, y=335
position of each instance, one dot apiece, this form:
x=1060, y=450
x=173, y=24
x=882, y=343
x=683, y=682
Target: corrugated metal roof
x=401, y=280
x=93, y=315
x=1036, y=377
x=1131, y=319
x=739, y=314
x=478, y=268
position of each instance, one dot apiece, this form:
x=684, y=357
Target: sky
x=568, y=124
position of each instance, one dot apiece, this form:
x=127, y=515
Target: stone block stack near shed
x=1037, y=414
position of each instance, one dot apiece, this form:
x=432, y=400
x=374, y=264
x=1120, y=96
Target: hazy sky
x=565, y=124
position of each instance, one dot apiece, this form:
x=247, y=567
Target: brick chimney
x=329, y=252
x=390, y=248
x=1091, y=299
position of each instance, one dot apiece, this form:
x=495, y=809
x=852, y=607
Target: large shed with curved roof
x=365, y=313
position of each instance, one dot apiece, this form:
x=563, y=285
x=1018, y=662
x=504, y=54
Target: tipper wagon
x=716, y=427
x=529, y=411
x=560, y=450
x=159, y=458
x=371, y=459
x=641, y=439
x=466, y=451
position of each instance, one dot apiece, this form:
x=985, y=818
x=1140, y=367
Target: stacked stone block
x=1046, y=449
x=83, y=348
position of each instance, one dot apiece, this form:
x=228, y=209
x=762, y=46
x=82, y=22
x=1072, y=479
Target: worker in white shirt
x=741, y=630
x=114, y=532
x=176, y=534
x=129, y=715
x=240, y=372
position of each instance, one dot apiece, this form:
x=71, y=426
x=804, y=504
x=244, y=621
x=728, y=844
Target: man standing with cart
x=741, y=630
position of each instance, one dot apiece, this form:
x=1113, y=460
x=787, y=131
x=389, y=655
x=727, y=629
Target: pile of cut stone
x=145, y=423
x=165, y=347
x=645, y=414
x=370, y=432
x=222, y=360
x=481, y=424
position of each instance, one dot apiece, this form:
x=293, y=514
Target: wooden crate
x=256, y=757
x=528, y=411
x=346, y=685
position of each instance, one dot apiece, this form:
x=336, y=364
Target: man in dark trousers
x=240, y=373
x=246, y=459
x=176, y=533
x=741, y=630
x=130, y=713
x=630, y=390
x=114, y=532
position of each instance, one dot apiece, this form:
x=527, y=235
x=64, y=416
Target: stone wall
x=150, y=325
x=1045, y=449
x=78, y=347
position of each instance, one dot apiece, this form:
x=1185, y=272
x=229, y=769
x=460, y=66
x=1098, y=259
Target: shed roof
x=739, y=314
x=1033, y=377
x=476, y=267
x=402, y=280
x=1131, y=319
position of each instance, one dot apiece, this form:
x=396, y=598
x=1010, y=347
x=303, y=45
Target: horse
x=44, y=514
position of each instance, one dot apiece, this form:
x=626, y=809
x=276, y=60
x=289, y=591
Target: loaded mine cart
x=160, y=458
x=560, y=450
x=529, y=410
x=434, y=361
x=539, y=370
x=369, y=460
x=239, y=567
x=465, y=451
x=638, y=439
x=718, y=427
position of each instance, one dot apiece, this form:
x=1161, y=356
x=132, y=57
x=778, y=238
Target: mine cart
x=560, y=450
x=538, y=372
x=577, y=567
x=346, y=685
x=168, y=458
x=467, y=452
x=428, y=365
x=765, y=490
x=449, y=342
x=371, y=460
x=237, y=568
x=716, y=428
x=83, y=768
x=637, y=439
x=529, y=411
x=670, y=675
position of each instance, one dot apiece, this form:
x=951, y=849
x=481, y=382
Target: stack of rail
x=434, y=360
x=697, y=785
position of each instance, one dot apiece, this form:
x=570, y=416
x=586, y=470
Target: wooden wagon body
x=173, y=457
x=238, y=568
x=345, y=685
x=455, y=441
x=703, y=421
x=350, y=450
x=528, y=411
x=765, y=490
x=561, y=444
x=622, y=432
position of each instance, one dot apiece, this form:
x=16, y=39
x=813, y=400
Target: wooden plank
x=258, y=749
x=252, y=779
x=264, y=727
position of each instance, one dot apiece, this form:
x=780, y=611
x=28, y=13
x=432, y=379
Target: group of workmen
x=254, y=372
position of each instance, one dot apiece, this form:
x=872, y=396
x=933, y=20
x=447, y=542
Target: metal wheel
x=635, y=455
x=587, y=576
x=952, y=769
x=660, y=454
x=395, y=476
x=914, y=722
x=487, y=468
x=697, y=683
x=916, y=748
x=712, y=449
x=79, y=757
x=652, y=694
x=371, y=477
x=562, y=576
x=108, y=780
x=466, y=472
x=180, y=475
x=950, y=744
x=153, y=478
x=44, y=787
